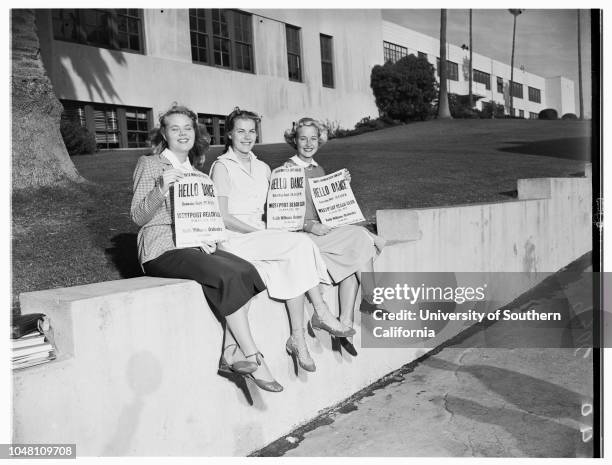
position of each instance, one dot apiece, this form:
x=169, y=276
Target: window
x=113, y=126
x=75, y=112
x=533, y=115
x=221, y=38
x=294, y=54
x=393, y=52
x=327, y=64
x=452, y=69
x=137, y=124
x=215, y=126
x=500, y=85
x=422, y=55
x=483, y=78
x=517, y=89
x=534, y=95
x=119, y=29
x=106, y=127
x=521, y=114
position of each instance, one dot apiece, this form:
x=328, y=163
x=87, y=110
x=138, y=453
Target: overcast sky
x=546, y=40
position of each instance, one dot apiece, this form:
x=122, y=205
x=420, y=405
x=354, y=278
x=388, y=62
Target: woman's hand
x=208, y=247
x=347, y=176
x=168, y=178
x=319, y=229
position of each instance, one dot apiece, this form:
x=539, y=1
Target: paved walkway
x=463, y=402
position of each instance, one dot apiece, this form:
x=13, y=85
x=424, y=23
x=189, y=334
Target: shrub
x=569, y=116
x=77, y=139
x=460, y=106
x=492, y=110
x=366, y=124
x=404, y=90
x=548, y=113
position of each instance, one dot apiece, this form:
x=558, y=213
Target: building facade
x=491, y=78
x=116, y=70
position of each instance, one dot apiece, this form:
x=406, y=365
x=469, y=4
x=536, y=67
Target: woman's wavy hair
x=235, y=115
x=202, y=139
x=290, y=134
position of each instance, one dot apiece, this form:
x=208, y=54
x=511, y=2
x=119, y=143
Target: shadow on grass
x=568, y=148
x=124, y=255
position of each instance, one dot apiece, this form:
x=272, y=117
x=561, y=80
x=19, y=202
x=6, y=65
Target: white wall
x=561, y=95
x=165, y=73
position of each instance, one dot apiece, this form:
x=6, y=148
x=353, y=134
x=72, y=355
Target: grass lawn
x=66, y=237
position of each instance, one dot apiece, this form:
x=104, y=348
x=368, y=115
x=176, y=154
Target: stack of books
x=31, y=341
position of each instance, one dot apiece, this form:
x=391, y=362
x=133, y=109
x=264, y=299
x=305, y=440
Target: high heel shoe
x=270, y=386
x=300, y=353
x=242, y=367
x=331, y=325
x=347, y=345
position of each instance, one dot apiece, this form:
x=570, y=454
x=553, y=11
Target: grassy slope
x=84, y=234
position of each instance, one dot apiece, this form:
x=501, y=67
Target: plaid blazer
x=151, y=209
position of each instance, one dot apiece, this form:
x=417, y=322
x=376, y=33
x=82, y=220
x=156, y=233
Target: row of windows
x=116, y=29
x=113, y=126
x=128, y=127
x=393, y=52
x=222, y=38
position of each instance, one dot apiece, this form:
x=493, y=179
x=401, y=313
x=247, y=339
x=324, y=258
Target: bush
x=366, y=124
x=569, y=116
x=548, y=113
x=492, y=110
x=77, y=139
x=404, y=90
x=460, y=106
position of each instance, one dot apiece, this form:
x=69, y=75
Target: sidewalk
x=465, y=401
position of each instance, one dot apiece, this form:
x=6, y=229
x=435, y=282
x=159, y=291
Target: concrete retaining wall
x=136, y=373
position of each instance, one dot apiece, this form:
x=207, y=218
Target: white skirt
x=289, y=262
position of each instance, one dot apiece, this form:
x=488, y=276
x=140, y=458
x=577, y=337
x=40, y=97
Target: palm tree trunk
x=443, y=108
x=39, y=156
x=580, y=69
x=471, y=69
x=512, y=68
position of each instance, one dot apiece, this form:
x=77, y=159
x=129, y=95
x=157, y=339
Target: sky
x=546, y=40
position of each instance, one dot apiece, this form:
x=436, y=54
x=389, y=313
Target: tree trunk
x=443, y=108
x=471, y=99
x=38, y=152
x=580, y=98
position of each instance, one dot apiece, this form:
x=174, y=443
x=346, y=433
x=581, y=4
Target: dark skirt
x=228, y=281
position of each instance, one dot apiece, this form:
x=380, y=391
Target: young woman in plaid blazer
x=228, y=281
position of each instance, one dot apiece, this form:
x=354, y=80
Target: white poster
x=334, y=200
x=286, y=204
x=196, y=211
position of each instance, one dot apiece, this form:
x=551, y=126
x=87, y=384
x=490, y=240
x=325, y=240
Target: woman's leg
x=240, y=331
x=296, y=344
x=347, y=293
x=323, y=318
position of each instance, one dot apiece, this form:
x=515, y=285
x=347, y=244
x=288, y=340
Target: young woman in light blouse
x=228, y=281
x=290, y=264
x=348, y=250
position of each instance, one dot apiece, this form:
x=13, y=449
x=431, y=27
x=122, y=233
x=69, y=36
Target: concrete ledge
x=137, y=374
x=138, y=358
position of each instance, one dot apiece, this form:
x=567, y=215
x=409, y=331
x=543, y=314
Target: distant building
x=491, y=78
x=116, y=70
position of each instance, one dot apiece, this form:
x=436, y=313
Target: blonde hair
x=290, y=134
